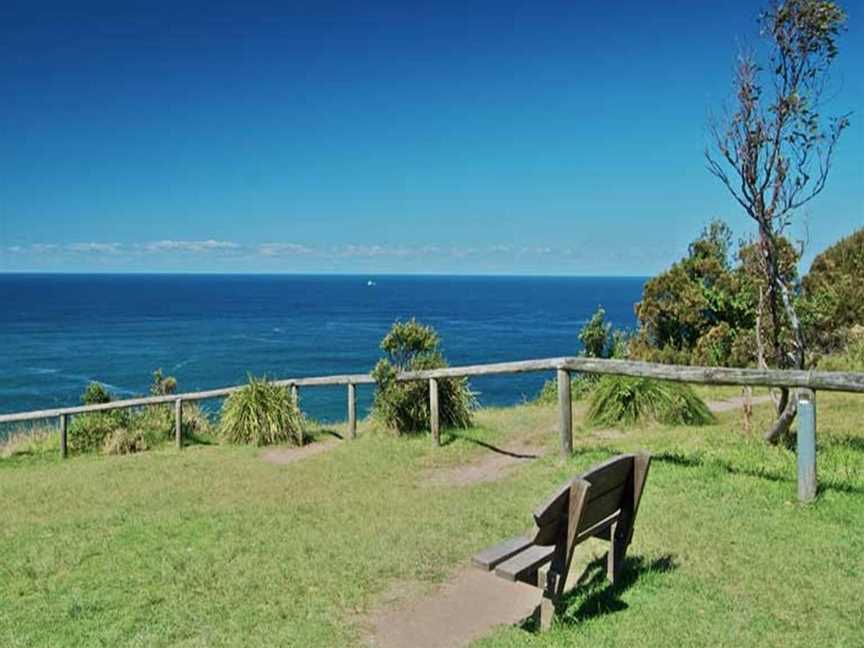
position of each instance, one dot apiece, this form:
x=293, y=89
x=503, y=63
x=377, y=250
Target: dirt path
x=490, y=467
x=460, y=611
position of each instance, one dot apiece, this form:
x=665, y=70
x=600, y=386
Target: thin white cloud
x=42, y=248
x=276, y=250
x=284, y=249
x=169, y=245
x=95, y=248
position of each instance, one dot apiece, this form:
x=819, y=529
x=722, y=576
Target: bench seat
x=490, y=558
x=524, y=565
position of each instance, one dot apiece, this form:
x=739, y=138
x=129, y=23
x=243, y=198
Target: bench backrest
x=612, y=488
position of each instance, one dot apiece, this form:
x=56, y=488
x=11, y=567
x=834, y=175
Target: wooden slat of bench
x=600, y=508
x=489, y=558
x=600, y=530
x=525, y=562
x=609, y=475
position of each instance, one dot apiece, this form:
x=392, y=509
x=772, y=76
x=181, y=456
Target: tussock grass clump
x=404, y=406
x=261, y=413
x=621, y=400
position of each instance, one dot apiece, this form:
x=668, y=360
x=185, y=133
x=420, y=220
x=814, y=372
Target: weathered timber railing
x=807, y=382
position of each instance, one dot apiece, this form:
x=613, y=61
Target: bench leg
x=547, y=581
x=615, y=557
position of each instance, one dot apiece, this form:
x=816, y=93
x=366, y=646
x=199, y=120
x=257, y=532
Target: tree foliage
x=704, y=310
x=833, y=294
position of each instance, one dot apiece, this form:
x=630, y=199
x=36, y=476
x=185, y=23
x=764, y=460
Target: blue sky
x=550, y=138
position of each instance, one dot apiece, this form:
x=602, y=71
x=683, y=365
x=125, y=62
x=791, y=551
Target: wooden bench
x=600, y=503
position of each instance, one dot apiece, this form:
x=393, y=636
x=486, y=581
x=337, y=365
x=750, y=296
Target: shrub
x=122, y=441
x=162, y=385
x=404, y=406
x=123, y=431
x=95, y=394
x=596, y=335
x=88, y=432
x=621, y=400
x=852, y=358
x=261, y=413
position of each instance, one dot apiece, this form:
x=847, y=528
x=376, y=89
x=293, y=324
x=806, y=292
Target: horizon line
x=317, y=274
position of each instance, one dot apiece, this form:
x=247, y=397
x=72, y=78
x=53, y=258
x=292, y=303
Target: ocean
x=59, y=332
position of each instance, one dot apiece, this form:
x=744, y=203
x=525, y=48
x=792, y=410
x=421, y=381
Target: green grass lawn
x=213, y=547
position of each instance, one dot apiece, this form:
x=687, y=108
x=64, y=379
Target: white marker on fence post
x=434, y=425
x=565, y=408
x=352, y=411
x=806, y=445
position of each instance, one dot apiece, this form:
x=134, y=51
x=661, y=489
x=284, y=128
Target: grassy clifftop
x=213, y=546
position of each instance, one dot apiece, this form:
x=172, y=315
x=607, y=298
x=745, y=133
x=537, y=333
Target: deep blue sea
x=59, y=332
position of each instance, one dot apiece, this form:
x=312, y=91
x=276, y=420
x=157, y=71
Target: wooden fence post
x=806, y=445
x=434, y=425
x=352, y=411
x=565, y=408
x=178, y=423
x=64, y=447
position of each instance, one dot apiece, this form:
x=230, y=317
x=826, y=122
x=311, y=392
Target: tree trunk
x=781, y=426
x=787, y=408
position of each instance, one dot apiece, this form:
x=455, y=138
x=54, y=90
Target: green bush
x=127, y=430
x=404, y=406
x=851, y=358
x=88, y=432
x=124, y=441
x=162, y=385
x=95, y=394
x=261, y=413
x=621, y=400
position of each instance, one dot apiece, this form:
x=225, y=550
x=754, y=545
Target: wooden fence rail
x=807, y=382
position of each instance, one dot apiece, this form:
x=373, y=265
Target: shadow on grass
x=594, y=596
x=329, y=432
x=454, y=436
x=689, y=461
x=852, y=443
x=199, y=440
